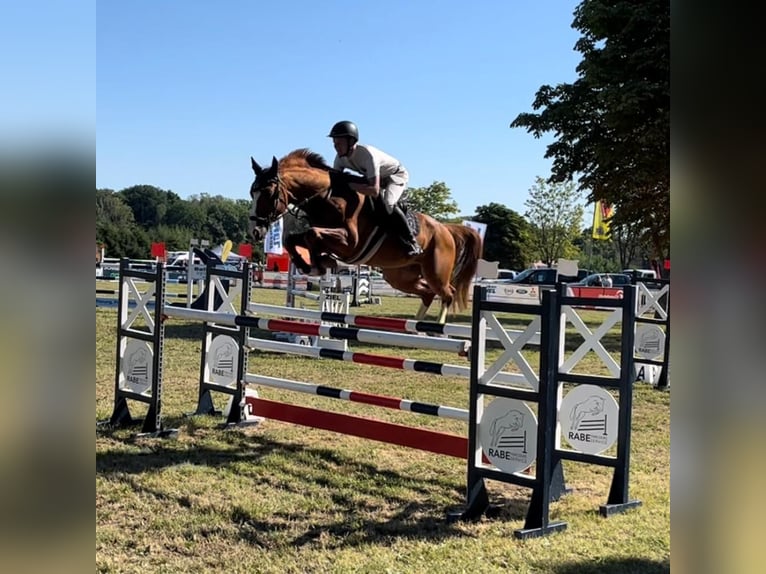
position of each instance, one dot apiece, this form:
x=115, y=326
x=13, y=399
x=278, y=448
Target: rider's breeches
x=393, y=187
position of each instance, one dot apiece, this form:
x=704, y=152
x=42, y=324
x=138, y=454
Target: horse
x=343, y=227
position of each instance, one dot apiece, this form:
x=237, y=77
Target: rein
x=295, y=209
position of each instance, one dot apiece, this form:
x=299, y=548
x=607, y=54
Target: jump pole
x=353, y=334
x=440, y=411
x=387, y=323
x=390, y=433
x=401, y=363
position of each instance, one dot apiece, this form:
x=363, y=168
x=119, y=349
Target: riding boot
x=400, y=227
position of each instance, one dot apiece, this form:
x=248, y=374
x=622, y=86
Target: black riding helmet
x=345, y=128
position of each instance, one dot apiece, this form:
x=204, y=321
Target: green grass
x=278, y=498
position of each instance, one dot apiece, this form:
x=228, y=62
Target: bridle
x=293, y=209
x=274, y=213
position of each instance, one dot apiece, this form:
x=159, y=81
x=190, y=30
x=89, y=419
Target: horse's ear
x=274, y=163
x=256, y=168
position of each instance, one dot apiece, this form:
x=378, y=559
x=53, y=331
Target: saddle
x=374, y=206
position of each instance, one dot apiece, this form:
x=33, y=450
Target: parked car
x=503, y=276
x=599, y=280
x=641, y=273
x=543, y=276
x=506, y=274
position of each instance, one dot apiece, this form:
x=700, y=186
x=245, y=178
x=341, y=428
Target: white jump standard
x=506, y=439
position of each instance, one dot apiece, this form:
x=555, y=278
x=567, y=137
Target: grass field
x=277, y=498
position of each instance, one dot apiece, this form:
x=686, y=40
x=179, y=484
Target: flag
x=601, y=213
x=273, y=241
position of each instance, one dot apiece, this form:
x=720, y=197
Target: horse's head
x=269, y=199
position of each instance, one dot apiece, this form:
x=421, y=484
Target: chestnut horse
x=345, y=226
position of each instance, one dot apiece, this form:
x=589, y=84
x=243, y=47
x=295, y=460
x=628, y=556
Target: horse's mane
x=306, y=162
x=303, y=157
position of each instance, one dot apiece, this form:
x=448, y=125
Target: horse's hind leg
x=408, y=280
x=424, y=306
x=437, y=272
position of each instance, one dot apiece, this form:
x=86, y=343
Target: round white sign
x=589, y=418
x=650, y=341
x=508, y=434
x=136, y=367
x=222, y=361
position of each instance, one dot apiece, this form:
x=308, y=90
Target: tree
x=612, y=124
x=223, y=219
x=116, y=227
x=149, y=204
x=110, y=208
x=599, y=255
x=555, y=217
x=129, y=220
x=434, y=200
x=632, y=245
x=506, y=237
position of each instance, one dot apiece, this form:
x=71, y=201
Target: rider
x=385, y=177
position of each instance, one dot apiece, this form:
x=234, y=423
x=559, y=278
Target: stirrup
x=413, y=248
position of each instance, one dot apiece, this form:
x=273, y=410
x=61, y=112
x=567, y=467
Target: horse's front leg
x=326, y=240
x=291, y=243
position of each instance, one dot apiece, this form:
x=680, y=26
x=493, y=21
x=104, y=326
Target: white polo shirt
x=370, y=161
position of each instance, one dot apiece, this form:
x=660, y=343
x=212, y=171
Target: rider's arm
x=372, y=187
x=370, y=168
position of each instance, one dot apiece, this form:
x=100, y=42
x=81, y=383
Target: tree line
x=129, y=220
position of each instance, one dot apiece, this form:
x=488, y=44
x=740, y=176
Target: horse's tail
x=467, y=253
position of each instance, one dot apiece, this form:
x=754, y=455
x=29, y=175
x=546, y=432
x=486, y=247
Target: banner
x=481, y=228
x=567, y=267
x=245, y=250
x=158, y=250
x=601, y=212
x=273, y=241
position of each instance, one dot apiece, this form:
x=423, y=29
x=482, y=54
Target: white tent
x=232, y=257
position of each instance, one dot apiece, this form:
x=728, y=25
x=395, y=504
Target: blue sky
x=188, y=90
x=49, y=72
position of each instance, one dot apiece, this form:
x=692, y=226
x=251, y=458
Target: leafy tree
x=188, y=214
x=506, y=237
x=110, y=208
x=175, y=238
x=612, y=125
x=556, y=219
x=632, y=244
x=434, y=200
x=599, y=255
x=242, y=210
x=116, y=227
x=149, y=204
x=120, y=241
x=221, y=220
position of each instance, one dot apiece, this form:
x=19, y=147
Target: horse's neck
x=305, y=184
x=335, y=203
